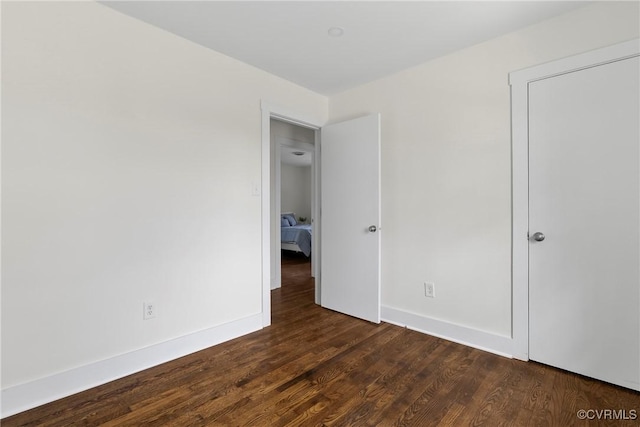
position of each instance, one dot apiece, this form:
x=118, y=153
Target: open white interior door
x=350, y=216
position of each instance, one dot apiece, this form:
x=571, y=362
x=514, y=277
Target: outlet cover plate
x=149, y=310
x=429, y=289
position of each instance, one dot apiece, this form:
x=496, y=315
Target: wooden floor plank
x=315, y=367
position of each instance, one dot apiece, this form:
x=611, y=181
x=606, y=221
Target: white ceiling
x=287, y=157
x=291, y=40
x=293, y=139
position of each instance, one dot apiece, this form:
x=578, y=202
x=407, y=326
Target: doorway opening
x=348, y=175
x=271, y=243
x=293, y=197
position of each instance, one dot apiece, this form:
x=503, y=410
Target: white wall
x=129, y=158
x=446, y=204
x=296, y=190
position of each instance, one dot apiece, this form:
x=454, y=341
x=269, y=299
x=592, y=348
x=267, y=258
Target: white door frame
x=519, y=81
x=270, y=234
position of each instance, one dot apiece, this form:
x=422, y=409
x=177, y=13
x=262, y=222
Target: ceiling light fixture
x=335, y=31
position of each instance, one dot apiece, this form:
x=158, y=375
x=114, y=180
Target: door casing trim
x=270, y=111
x=519, y=82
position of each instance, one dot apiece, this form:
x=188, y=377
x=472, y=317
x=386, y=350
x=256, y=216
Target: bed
x=293, y=235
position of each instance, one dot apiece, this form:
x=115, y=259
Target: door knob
x=538, y=236
x=372, y=228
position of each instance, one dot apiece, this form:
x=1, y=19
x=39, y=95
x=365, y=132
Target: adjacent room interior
x=293, y=197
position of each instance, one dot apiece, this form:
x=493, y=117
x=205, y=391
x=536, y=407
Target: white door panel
x=584, y=195
x=350, y=204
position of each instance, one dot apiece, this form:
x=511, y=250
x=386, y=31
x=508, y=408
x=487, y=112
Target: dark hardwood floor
x=316, y=367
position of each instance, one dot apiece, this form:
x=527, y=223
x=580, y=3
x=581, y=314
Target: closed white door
x=350, y=216
x=584, y=197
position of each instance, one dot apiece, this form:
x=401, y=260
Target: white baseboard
x=497, y=344
x=35, y=393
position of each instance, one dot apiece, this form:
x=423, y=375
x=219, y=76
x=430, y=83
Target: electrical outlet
x=429, y=289
x=149, y=310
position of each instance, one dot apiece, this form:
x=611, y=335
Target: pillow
x=291, y=218
x=284, y=222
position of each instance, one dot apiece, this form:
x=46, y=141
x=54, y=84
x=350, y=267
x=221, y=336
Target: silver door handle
x=538, y=236
x=372, y=229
